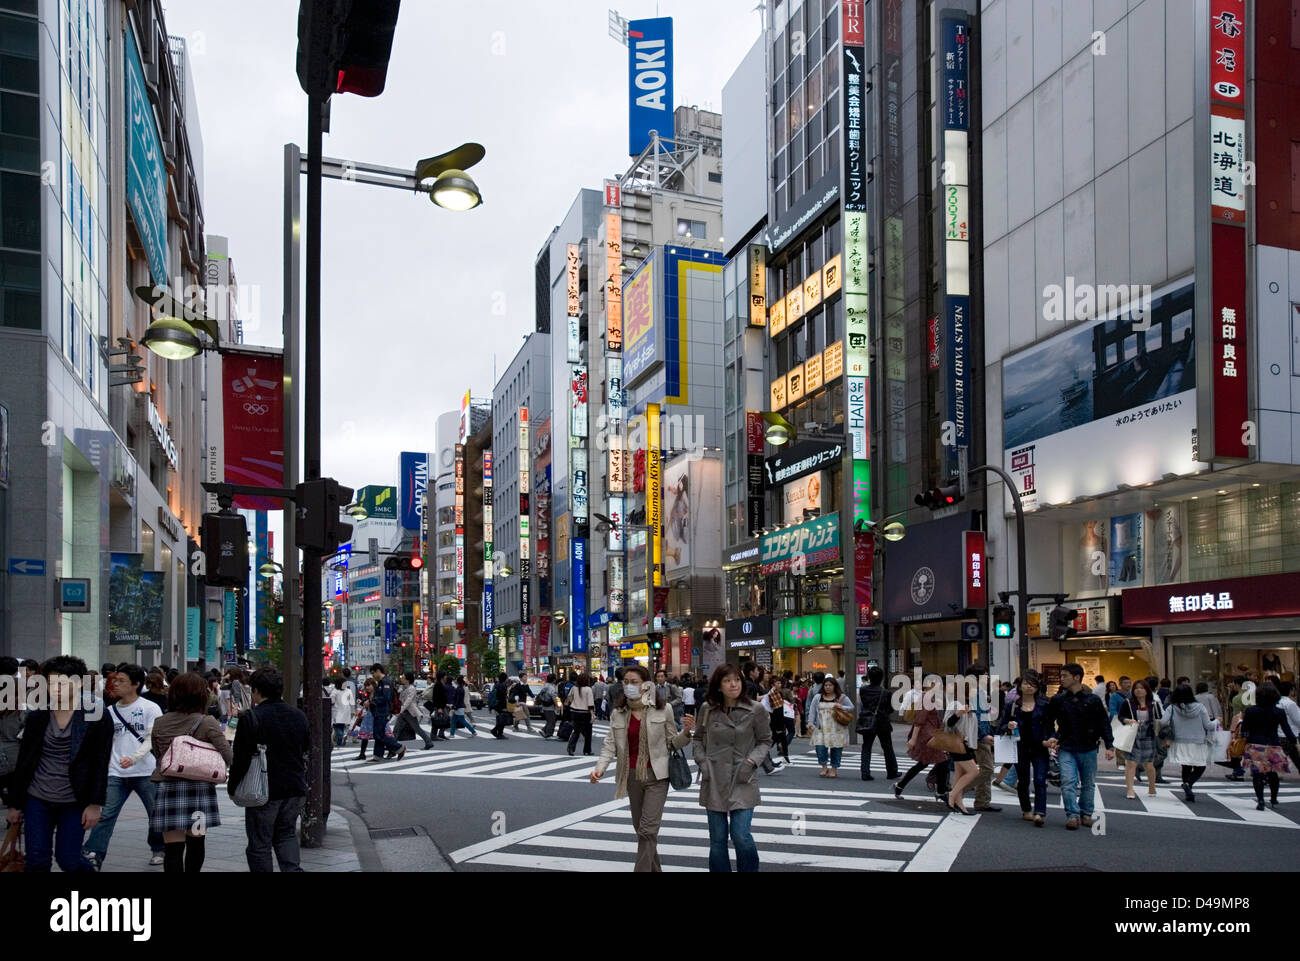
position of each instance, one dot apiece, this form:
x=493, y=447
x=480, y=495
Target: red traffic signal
x=344, y=46
x=416, y=563
x=412, y=563
x=939, y=497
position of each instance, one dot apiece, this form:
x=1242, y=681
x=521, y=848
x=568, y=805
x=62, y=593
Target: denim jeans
x=383, y=741
x=1078, y=781
x=53, y=831
x=119, y=789
x=460, y=719
x=1031, y=768
x=738, y=829
x=835, y=754
x=340, y=732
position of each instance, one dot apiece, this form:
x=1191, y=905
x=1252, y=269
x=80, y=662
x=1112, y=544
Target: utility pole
x=1022, y=565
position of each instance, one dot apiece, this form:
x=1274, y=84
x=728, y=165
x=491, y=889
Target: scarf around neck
x=643, y=744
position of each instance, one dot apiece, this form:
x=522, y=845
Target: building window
x=692, y=229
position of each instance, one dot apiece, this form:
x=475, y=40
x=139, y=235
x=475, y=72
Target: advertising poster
x=677, y=514
x=135, y=603
x=1126, y=551
x=1103, y=404
x=1092, y=556
x=804, y=494
x=578, y=616
x=193, y=623
x=253, y=412
x=1166, y=545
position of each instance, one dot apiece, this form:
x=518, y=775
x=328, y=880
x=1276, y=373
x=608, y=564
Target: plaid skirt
x=177, y=803
x=1145, y=749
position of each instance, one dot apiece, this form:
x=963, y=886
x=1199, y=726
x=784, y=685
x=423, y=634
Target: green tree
x=449, y=663
x=271, y=654
x=491, y=661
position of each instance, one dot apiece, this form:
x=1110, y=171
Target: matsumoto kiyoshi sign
x=816, y=542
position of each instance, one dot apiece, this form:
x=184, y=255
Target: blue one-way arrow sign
x=33, y=566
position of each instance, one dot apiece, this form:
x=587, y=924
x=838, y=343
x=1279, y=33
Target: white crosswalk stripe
x=484, y=764
x=828, y=830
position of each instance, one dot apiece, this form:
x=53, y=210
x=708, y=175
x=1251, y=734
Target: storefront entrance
x=1211, y=660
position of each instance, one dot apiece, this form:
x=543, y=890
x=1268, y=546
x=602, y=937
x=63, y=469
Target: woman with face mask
x=641, y=735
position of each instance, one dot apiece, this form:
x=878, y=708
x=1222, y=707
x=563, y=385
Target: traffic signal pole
x=1022, y=565
x=313, y=646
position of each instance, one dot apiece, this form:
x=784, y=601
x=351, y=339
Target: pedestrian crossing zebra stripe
x=845, y=831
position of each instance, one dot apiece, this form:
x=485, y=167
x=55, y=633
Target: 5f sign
x=650, y=81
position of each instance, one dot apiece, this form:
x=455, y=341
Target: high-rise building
x=102, y=463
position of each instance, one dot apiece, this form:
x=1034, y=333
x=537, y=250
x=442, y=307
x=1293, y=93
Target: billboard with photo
x=803, y=494
x=135, y=602
x=1104, y=403
x=678, y=522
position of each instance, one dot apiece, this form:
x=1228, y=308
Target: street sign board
x=31, y=566
x=74, y=595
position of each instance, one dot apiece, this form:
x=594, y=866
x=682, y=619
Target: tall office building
x=99, y=466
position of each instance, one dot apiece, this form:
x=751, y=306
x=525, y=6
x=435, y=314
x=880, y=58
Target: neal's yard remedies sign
x=650, y=81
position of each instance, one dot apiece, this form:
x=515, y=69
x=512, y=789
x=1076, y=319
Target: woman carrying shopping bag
x=1193, y=734
x=1143, y=712
x=641, y=735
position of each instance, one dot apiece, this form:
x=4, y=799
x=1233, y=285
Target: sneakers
x=1005, y=786
x=93, y=858
x=1087, y=820
x=155, y=859
x=1072, y=824
x=898, y=792
x=777, y=768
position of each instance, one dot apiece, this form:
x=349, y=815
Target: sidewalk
x=128, y=852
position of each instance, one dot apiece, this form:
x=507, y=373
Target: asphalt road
x=524, y=804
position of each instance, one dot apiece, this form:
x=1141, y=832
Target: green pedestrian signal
x=1004, y=620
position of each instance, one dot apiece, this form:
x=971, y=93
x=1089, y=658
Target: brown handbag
x=1237, y=747
x=11, y=851
x=948, y=741
x=842, y=716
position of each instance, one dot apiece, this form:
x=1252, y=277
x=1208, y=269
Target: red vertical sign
x=854, y=23
x=975, y=590
x=683, y=651
x=754, y=432
x=252, y=392
x=1228, y=215
x=864, y=555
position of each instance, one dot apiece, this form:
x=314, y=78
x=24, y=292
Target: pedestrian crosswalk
x=823, y=830
x=466, y=763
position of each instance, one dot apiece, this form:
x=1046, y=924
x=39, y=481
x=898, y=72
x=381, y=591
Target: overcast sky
x=409, y=288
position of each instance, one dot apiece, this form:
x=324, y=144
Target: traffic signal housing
x=344, y=46
x=1062, y=622
x=1004, y=620
x=225, y=550
x=404, y=563
x=937, y=498
x=319, y=503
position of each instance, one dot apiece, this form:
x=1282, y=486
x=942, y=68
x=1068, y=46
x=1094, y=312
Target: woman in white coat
x=344, y=706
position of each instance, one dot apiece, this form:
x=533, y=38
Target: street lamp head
x=895, y=531
x=269, y=569
x=357, y=512
x=171, y=339
x=455, y=190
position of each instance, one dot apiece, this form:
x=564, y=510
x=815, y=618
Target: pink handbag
x=188, y=757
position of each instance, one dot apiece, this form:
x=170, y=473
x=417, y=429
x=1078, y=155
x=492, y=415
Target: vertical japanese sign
x=1228, y=216
x=757, y=285
x=954, y=73
x=855, y=165
x=525, y=563
x=578, y=403
x=754, y=474
x=864, y=555
x=574, y=304
x=488, y=571
x=614, y=392
x=975, y=591
x=578, y=599
x=855, y=279
x=654, y=511
x=146, y=177
x=460, y=537
x=613, y=276
x=578, y=485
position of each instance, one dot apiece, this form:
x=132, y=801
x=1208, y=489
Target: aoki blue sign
x=650, y=81
x=146, y=180
x=578, y=556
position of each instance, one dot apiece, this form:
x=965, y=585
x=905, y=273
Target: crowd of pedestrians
x=70, y=763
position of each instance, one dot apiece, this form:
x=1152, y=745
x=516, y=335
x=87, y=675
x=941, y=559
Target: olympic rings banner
x=252, y=393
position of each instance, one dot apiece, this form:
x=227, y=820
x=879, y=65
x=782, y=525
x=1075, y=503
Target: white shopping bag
x=1124, y=734
x=1006, y=750
x=1220, y=751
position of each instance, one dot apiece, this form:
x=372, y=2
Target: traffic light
x=344, y=46
x=939, y=497
x=225, y=550
x=318, y=525
x=656, y=642
x=1004, y=620
x=1062, y=621
x=401, y=563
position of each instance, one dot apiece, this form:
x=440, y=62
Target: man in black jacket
x=873, y=722
x=283, y=729
x=61, y=779
x=1080, y=720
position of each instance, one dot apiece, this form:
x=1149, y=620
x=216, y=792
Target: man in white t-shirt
x=131, y=763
